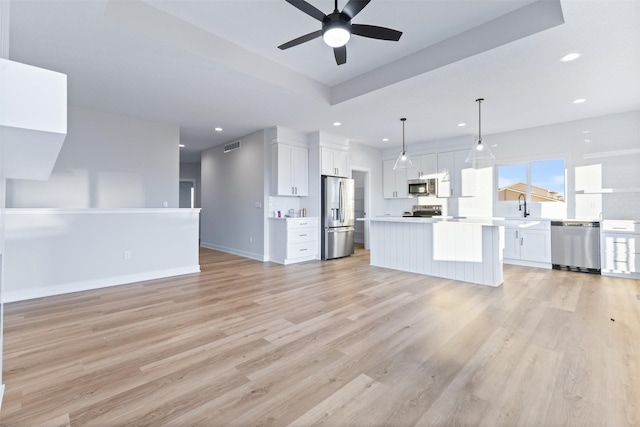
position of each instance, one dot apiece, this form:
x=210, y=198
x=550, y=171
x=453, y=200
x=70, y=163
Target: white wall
x=54, y=251
x=232, y=184
x=107, y=161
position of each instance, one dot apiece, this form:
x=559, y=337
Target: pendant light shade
x=403, y=161
x=480, y=151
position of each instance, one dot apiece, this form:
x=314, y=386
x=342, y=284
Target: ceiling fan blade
x=308, y=9
x=341, y=54
x=354, y=7
x=300, y=40
x=375, y=32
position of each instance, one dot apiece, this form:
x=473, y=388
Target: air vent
x=232, y=146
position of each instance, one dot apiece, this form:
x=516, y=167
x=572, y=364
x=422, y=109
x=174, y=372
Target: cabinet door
x=465, y=175
x=388, y=180
x=536, y=245
x=402, y=188
x=341, y=162
x=284, y=177
x=446, y=174
x=512, y=243
x=326, y=160
x=300, y=171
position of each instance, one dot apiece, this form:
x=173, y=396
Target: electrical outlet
x=258, y=205
x=127, y=255
x=250, y=239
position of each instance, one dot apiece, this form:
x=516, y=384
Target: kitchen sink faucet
x=524, y=198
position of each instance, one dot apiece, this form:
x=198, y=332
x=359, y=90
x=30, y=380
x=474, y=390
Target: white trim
x=1, y=395
x=13, y=296
x=250, y=255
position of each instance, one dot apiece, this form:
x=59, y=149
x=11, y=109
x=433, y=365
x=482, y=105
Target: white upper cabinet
x=456, y=178
x=424, y=166
x=334, y=162
x=290, y=170
x=394, y=182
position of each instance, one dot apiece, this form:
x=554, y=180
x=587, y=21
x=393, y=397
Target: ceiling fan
x=337, y=27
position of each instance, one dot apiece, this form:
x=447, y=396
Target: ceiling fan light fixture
x=336, y=33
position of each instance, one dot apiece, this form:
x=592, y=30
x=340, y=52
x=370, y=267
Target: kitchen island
x=468, y=250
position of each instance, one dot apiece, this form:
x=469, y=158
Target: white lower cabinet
x=620, y=249
x=527, y=243
x=293, y=240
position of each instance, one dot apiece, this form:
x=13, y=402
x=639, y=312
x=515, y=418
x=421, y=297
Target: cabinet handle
x=517, y=234
x=303, y=235
x=302, y=250
x=521, y=241
x=303, y=223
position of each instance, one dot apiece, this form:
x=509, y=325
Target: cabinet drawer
x=621, y=243
x=622, y=262
x=302, y=223
x=300, y=250
x=620, y=226
x=299, y=235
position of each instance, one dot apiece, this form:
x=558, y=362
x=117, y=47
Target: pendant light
x=403, y=161
x=479, y=151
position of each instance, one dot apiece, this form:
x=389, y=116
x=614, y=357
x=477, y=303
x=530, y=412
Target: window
x=539, y=181
x=512, y=181
x=547, y=181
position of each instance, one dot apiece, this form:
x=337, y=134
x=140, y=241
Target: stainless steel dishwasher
x=575, y=245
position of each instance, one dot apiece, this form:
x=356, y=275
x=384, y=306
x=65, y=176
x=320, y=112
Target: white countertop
x=492, y=222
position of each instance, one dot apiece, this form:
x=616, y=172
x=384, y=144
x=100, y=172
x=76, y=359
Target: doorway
x=362, y=207
x=187, y=196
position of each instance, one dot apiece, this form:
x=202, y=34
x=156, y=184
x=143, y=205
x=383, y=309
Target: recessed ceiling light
x=218, y=129
x=385, y=139
x=570, y=57
x=461, y=125
x=586, y=131
x=337, y=123
x=181, y=145
x=579, y=101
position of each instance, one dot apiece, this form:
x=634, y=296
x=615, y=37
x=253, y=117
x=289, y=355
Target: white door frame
x=367, y=199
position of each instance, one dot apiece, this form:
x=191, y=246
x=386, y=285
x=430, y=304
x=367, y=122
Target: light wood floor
x=337, y=343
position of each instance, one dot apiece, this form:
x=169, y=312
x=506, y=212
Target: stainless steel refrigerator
x=338, y=217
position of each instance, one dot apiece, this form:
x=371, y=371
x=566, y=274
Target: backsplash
x=283, y=204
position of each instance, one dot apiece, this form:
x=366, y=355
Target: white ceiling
x=201, y=64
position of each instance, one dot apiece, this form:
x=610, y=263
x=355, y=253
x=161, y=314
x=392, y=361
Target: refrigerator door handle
x=341, y=202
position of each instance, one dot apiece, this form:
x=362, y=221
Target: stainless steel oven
x=422, y=187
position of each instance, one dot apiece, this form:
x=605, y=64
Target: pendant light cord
x=404, y=150
x=479, y=101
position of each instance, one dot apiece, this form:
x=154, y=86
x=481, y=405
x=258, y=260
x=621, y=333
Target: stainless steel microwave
x=422, y=187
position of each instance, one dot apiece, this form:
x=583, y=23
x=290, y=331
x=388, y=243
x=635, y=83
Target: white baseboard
x=251, y=255
x=12, y=296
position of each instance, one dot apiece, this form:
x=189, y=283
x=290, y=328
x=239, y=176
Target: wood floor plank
x=333, y=343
